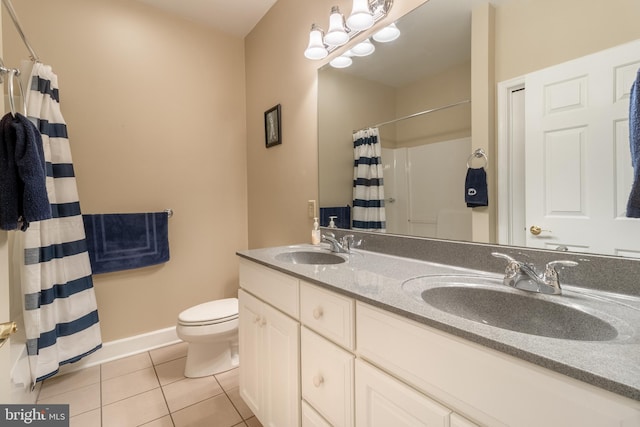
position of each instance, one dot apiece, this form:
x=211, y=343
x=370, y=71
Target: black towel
x=23, y=189
x=475, y=188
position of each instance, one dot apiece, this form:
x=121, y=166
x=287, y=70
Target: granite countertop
x=378, y=279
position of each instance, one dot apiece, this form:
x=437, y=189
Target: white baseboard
x=129, y=346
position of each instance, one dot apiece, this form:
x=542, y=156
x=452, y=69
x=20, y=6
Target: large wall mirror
x=426, y=157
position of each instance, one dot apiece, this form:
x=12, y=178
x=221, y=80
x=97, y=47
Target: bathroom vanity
x=352, y=339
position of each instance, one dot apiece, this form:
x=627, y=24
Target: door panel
x=578, y=163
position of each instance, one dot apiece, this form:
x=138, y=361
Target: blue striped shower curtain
x=60, y=311
x=368, y=184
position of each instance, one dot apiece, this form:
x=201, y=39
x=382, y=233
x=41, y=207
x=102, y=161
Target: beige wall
x=155, y=108
x=534, y=34
x=444, y=88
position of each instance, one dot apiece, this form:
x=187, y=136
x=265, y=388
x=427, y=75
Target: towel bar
x=169, y=212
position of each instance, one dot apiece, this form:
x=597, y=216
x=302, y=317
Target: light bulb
x=387, y=34
x=337, y=34
x=363, y=48
x=361, y=17
x=316, y=48
x=341, y=62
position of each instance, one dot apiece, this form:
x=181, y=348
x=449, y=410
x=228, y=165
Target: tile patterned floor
x=149, y=389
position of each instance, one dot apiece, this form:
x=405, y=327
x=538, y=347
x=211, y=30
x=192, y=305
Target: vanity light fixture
x=361, y=17
x=316, y=48
x=342, y=61
x=387, y=34
x=364, y=48
x=337, y=33
x=364, y=14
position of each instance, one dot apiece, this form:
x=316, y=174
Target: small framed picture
x=272, y=129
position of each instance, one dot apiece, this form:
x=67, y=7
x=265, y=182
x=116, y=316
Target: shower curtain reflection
x=368, y=182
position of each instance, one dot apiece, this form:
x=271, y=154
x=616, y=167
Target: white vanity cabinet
x=269, y=341
x=317, y=358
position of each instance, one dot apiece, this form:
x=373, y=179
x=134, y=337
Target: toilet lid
x=213, y=311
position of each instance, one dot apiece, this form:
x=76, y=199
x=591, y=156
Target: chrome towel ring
x=13, y=73
x=479, y=154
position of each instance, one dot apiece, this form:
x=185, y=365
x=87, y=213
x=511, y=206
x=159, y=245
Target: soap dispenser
x=332, y=224
x=315, y=233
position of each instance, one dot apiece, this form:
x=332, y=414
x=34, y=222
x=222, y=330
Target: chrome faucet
x=344, y=246
x=523, y=276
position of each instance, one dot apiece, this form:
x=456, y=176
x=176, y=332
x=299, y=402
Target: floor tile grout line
x=200, y=401
x=133, y=395
x=168, y=360
x=229, y=397
x=102, y=380
x=164, y=396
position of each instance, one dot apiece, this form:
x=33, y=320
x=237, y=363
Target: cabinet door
x=250, y=347
x=281, y=368
x=327, y=378
x=383, y=401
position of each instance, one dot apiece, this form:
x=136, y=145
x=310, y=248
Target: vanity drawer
x=328, y=313
x=327, y=378
x=278, y=289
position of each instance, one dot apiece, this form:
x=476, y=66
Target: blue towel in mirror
x=119, y=242
x=343, y=215
x=475, y=188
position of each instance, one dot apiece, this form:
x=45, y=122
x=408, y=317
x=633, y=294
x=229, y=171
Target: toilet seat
x=210, y=313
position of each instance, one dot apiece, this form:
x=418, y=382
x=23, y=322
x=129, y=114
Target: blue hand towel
x=633, y=204
x=23, y=189
x=119, y=242
x=475, y=188
x=343, y=215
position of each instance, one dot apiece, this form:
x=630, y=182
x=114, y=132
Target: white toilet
x=211, y=329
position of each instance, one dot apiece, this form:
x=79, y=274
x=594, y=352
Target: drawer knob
x=318, y=380
x=317, y=313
